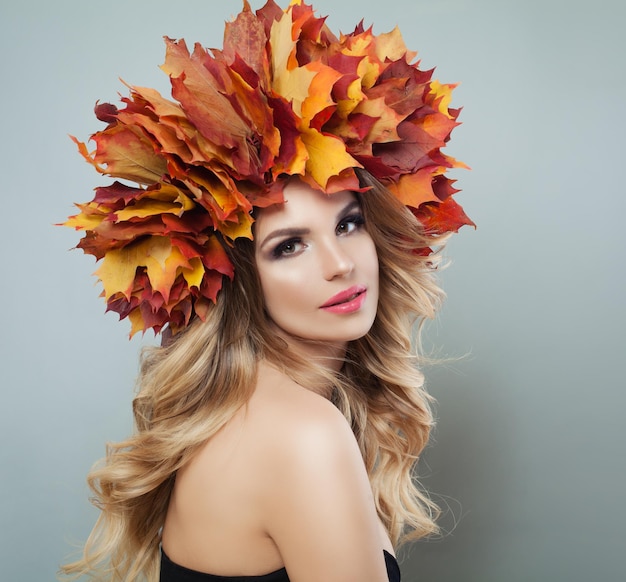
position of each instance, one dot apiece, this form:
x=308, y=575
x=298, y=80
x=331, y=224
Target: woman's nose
x=336, y=262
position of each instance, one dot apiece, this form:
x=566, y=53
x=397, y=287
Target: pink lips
x=346, y=301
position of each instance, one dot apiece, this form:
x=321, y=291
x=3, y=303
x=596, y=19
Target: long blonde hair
x=191, y=386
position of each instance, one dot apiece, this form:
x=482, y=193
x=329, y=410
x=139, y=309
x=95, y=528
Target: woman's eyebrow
x=284, y=232
x=353, y=205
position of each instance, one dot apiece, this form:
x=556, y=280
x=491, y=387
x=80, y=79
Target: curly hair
x=189, y=387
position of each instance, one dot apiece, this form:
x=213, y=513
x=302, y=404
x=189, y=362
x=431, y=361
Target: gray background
x=529, y=453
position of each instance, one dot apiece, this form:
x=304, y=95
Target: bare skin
x=282, y=484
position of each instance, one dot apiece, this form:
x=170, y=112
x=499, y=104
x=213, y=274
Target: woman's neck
x=325, y=357
x=330, y=356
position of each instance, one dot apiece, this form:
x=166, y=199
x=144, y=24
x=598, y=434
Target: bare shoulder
x=315, y=491
x=299, y=424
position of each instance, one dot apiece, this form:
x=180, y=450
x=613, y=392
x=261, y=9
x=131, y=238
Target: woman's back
x=282, y=484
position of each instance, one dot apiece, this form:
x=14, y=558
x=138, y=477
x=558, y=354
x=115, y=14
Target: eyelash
x=279, y=252
x=357, y=219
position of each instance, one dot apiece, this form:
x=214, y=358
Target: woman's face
x=317, y=265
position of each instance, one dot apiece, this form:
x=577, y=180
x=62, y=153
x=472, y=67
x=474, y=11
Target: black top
x=171, y=572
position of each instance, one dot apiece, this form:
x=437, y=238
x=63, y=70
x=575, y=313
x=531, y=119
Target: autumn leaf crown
x=284, y=97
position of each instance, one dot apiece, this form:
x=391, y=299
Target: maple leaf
x=390, y=46
x=292, y=155
x=441, y=96
x=245, y=37
x=385, y=127
x=327, y=156
x=118, y=268
x=128, y=154
x=442, y=217
x=263, y=143
x=415, y=189
x=319, y=96
x=160, y=119
x=200, y=95
x=117, y=195
x=269, y=13
x=402, y=87
x=89, y=218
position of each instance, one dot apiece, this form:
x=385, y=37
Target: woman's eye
x=286, y=248
x=350, y=224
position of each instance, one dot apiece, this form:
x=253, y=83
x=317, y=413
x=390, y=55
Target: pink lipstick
x=347, y=301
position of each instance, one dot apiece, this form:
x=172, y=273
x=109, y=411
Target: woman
x=279, y=423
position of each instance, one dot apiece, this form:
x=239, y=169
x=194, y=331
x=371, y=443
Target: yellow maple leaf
x=222, y=189
x=327, y=156
x=164, y=263
x=390, y=45
x=90, y=217
x=283, y=46
x=416, y=189
x=442, y=96
x=320, y=88
x=241, y=227
x=117, y=272
x=195, y=273
x=354, y=96
x=137, y=322
x=369, y=68
x=156, y=254
x=166, y=199
x=145, y=208
x=294, y=85
x=170, y=193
